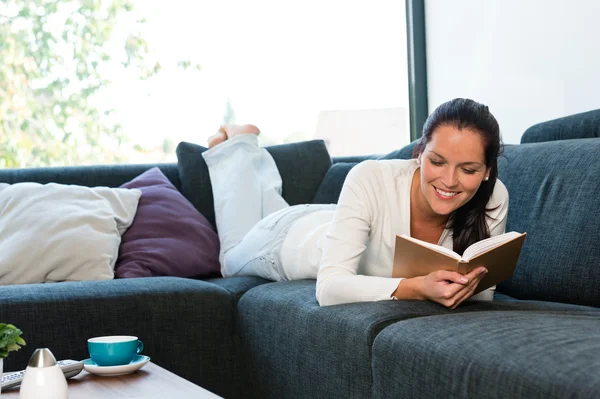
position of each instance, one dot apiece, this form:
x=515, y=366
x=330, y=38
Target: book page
x=485, y=245
x=435, y=247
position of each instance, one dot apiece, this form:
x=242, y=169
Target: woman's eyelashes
x=465, y=170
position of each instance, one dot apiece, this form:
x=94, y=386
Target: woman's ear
x=487, y=175
x=419, y=159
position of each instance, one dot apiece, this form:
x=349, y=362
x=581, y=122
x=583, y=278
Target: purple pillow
x=168, y=236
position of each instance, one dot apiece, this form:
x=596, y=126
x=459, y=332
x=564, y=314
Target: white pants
x=251, y=215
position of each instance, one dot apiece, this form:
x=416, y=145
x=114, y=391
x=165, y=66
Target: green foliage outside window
x=53, y=58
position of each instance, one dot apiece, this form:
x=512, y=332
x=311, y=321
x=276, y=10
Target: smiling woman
x=460, y=146
x=448, y=195
x=452, y=169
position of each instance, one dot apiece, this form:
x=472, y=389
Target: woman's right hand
x=447, y=288
x=451, y=288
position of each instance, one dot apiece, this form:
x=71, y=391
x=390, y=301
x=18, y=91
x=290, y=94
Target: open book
x=498, y=254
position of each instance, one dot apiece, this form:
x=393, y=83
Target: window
x=123, y=81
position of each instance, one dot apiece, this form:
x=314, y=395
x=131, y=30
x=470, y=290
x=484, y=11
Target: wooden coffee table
x=152, y=381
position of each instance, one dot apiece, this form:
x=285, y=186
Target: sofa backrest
x=302, y=167
x=331, y=187
x=91, y=176
x=554, y=190
x=577, y=126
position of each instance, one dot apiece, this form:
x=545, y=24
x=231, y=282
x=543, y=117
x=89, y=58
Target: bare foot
x=217, y=138
x=236, y=130
x=228, y=131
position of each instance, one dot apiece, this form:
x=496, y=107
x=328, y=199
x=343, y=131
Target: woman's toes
x=217, y=138
x=236, y=130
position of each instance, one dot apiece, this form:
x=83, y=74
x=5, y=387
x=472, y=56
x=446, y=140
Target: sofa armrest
x=187, y=326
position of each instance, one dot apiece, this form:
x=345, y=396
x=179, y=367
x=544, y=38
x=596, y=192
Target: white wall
x=529, y=60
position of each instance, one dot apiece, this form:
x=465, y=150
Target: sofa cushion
x=294, y=346
x=187, y=326
x=577, y=126
x=237, y=285
x=353, y=158
x=331, y=186
x=526, y=354
x=90, y=176
x=403, y=153
x=57, y=232
x=554, y=194
x=168, y=236
x=302, y=167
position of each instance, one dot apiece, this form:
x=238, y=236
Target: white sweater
x=352, y=246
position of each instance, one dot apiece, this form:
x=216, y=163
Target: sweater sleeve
x=337, y=279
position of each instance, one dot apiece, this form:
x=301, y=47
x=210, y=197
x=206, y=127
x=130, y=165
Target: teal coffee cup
x=114, y=350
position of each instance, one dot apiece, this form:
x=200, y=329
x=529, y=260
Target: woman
x=448, y=195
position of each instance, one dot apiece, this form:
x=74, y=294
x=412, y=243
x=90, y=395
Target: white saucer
x=137, y=363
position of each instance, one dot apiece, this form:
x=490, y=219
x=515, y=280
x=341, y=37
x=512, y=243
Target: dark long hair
x=468, y=223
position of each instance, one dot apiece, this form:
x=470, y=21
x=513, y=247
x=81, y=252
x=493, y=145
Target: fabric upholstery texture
x=195, y=181
x=56, y=232
x=186, y=325
x=577, y=126
x=302, y=167
x=403, y=153
x=331, y=187
x=353, y=158
x=293, y=345
x=90, y=176
x=517, y=354
x=290, y=344
x=168, y=236
x=248, y=337
x=554, y=194
x=237, y=286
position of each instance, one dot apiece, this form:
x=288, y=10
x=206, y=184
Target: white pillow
x=58, y=232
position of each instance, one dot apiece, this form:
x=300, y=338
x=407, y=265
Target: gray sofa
x=249, y=337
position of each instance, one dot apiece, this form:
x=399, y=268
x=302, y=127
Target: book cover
x=414, y=258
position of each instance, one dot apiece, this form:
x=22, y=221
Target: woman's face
x=452, y=168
